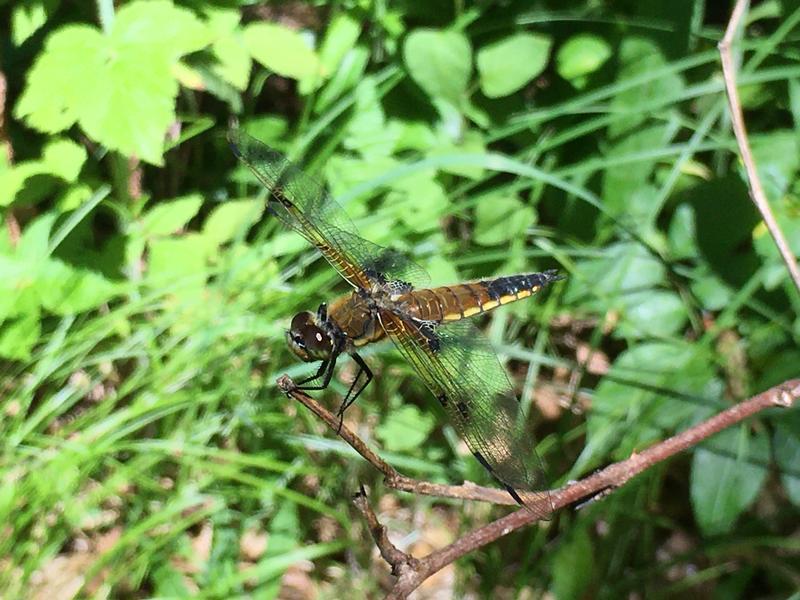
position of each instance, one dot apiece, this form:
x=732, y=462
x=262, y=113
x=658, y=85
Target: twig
x=739, y=130
x=411, y=572
x=393, y=479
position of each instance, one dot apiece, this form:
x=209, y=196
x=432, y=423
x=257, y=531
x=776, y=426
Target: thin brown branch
x=412, y=572
x=739, y=130
x=393, y=479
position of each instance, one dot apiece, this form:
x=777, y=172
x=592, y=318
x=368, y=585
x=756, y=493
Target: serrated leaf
x=169, y=217
x=507, y=65
x=727, y=475
x=281, y=50
x=119, y=87
x=440, y=62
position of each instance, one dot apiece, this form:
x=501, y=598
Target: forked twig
x=411, y=572
x=739, y=130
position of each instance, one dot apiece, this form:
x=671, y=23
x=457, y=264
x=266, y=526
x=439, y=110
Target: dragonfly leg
x=325, y=370
x=355, y=389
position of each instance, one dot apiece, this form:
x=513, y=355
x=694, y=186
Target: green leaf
x=340, y=37
x=233, y=61
x=499, y=219
x=405, y=428
x=181, y=260
x=281, y=50
x=170, y=216
x=651, y=313
x=581, y=55
x=418, y=201
x=727, y=475
x=19, y=336
x=28, y=17
x=230, y=219
x=509, y=64
x=119, y=87
x=64, y=158
x=440, y=62
x=638, y=57
x=66, y=290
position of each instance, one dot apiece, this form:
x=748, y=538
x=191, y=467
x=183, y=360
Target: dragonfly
x=391, y=298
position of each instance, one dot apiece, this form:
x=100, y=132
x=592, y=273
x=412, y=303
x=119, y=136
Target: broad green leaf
x=405, y=428
x=180, y=261
x=712, y=292
x=440, y=62
x=18, y=336
x=651, y=313
x=120, y=87
x=66, y=290
x=367, y=132
x=507, y=65
x=340, y=37
x=640, y=400
x=230, y=219
x=623, y=269
x=418, y=201
x=282, y=50
x=499, y=219
x=64, y=158
x=61, y=158
x=28, y=17
x=727, y=474
x=233, y=61
x=682, y=233
x=777, y=156
x=581, y=55
x=169, y=217
x=627, y=189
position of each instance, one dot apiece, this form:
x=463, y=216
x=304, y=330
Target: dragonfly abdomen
x=455, y=302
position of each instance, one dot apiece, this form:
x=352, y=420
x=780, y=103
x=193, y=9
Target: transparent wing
x=457, y=363
x=303, y=204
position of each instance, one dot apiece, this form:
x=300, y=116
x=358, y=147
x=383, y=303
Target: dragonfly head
x=307, y=339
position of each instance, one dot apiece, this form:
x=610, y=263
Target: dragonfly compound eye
x=307, y=340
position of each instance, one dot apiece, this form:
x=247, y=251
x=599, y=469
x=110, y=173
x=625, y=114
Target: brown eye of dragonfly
x=307, y=340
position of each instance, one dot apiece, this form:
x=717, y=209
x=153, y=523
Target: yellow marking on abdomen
x=472, y=311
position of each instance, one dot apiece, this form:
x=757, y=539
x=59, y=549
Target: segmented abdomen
x=454, y=302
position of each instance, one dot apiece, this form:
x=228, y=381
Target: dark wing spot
x=442, y=399
x=463, y=409
x=428, y=330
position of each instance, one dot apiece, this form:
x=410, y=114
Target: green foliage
x=144, y=291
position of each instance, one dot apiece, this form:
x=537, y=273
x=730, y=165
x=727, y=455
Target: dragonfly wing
x=457, y=363
x=302, y=203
